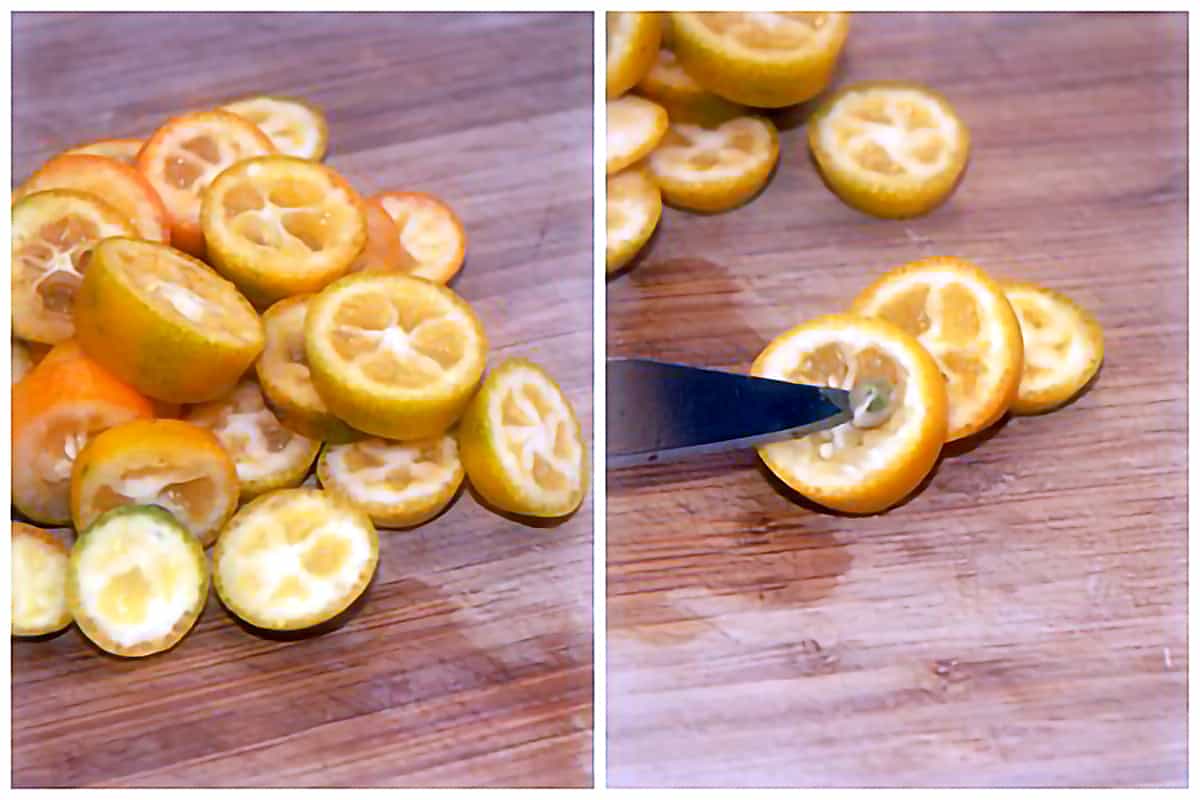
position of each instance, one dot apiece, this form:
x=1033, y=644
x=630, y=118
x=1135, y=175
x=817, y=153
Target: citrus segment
x=764, y=59
x=432, y=238
x=669, y=85
x=53, y=233
x=285, y=378
x=392, y=355
x=383, y=251
x=278, y=226
x=39, y=582
x=183, y=157
x=865, y=465
x=634, y=207
x=294, y=558
x=399, y=484
x=266, y=454
x=165, y=462
x=117, y=184
x=295, y=127
x=137, y=581
x=522, y=445
x=715, y=168
x=631, y=42
x=165, y=322
x=56, y=408
x=1064, y=346
x=123, y=150
x=889, y=148
x=635, y=127
x=960, y=315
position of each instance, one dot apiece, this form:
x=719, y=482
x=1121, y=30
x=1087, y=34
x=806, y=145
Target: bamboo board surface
x=1022, y=620
x=469, y=663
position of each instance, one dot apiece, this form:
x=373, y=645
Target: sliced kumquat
x=400, y=484
x=961, y=316
x=278, y=226
x=53, y=233
x=634, y=207
x=117, y=184
x=67, y=399
x=632, y=41
x=383, y=252
x=137, y=581
x=296, y=127
x=889, y=148
x=39, y=581
x=163, y=462
x=764, y=59
x=431, y=234
x=522, y=445
x=392, y=355
x=186, y=154
x=165, y=322
x=715, y=168
x=1064, y=347
x=266, y=454
x=899, y=412
x=635, y=127
x=294, y=558
x=669, y=85
x=286, y=380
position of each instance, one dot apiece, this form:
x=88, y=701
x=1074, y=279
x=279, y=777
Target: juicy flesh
x=629, y=206
x=186, y=291
x=296, y=215
x=376, y=467
x=726, y=151
x=429, y=237
x=293, y=128
x=254, y=438
x=39, y=576
x=946, y=319
x=407, y=342
x=893, y=132
x=187, y=492
x=1056, y=346
x=52, y=261
x=294, y=555
x=538, y=432
x=842, y=366
x=632, y=124
x=137, y=580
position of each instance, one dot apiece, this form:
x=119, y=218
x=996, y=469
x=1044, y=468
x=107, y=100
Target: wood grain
x=1022, y=619
x=469, y=663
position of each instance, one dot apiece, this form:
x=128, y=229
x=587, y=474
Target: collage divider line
x=599, y=347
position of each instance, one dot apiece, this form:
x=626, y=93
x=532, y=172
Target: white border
x=599, y=435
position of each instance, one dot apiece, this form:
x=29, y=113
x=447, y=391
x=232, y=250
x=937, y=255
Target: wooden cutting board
x=469, y=663
x=1022, y=620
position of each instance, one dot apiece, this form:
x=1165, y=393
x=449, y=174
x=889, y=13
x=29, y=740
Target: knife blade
x=658, y=411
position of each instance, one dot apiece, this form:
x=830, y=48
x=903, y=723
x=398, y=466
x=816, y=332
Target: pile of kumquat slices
x=203, y=319
x=689, y=101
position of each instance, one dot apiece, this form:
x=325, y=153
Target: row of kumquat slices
x=932, y=352
x=202, y=316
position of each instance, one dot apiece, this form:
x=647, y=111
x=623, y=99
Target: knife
x=658, y=411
